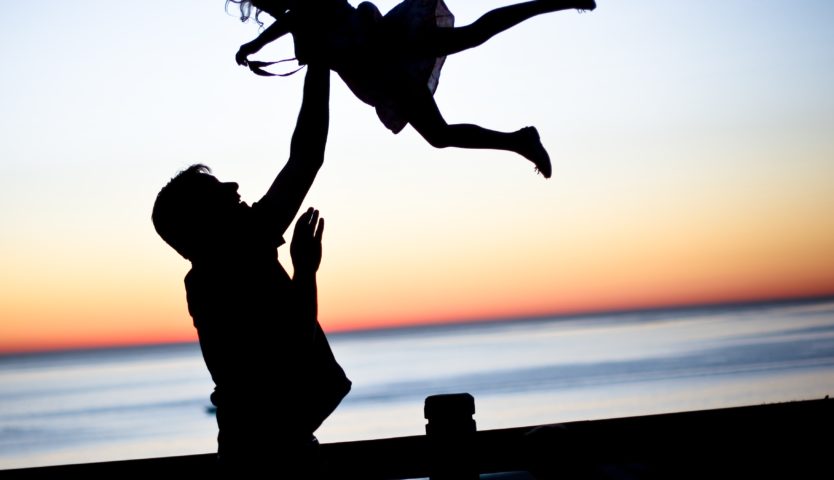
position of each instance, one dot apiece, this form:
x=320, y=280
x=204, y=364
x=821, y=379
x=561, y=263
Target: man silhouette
x=276, y=379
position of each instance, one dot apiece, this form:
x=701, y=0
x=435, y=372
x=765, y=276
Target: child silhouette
x=393, y=62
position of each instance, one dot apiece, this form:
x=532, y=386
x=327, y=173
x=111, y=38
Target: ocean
x=100, y=405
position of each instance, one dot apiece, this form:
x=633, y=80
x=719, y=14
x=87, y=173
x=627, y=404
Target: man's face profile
x=221, y=207
x=219, y=198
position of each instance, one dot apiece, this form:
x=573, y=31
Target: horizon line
x=462, y=323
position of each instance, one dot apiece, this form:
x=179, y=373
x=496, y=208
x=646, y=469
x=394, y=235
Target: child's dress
x=378, y=57
x=407, y=22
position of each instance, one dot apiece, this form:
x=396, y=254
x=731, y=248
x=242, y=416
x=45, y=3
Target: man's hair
x=178, y=215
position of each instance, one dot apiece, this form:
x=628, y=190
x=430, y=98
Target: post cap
x=449, y=405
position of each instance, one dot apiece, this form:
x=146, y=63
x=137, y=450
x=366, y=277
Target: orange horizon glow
x=98, y=339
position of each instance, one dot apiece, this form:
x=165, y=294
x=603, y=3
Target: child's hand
x=241, y=57
x=305, y=248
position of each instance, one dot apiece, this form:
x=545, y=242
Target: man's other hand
x=305, y=248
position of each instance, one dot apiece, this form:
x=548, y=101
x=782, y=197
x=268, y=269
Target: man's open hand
x=305, y=248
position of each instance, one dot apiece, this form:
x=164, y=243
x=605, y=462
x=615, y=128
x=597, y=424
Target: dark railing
x=785, y=440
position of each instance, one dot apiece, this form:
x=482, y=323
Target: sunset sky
x=692, y=142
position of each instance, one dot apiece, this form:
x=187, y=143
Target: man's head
x=195, y=211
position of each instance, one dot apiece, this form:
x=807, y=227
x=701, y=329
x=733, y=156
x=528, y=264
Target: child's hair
x=246, y=11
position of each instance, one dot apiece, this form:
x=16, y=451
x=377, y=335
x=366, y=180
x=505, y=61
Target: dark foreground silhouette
x=393, y=62
x=776, y=441
x=276, y=379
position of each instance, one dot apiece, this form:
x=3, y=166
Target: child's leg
x=446, y=41
x=426, y=118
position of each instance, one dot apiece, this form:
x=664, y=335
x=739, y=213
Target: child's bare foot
x=585, y=5
x=581, y=5
x=532, y=149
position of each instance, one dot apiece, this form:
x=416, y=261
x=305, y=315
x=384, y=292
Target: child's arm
x=275, y=31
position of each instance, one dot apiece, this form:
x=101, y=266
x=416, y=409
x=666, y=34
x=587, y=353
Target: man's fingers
x=308, y=222
x=320, y=230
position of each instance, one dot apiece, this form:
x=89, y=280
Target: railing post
x=451, y=433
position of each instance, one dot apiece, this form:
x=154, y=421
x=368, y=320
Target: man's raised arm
x=284, y=197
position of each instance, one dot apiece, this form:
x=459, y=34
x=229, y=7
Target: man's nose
x=231, y=186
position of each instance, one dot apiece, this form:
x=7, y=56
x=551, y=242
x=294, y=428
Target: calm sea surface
x=145, y=402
